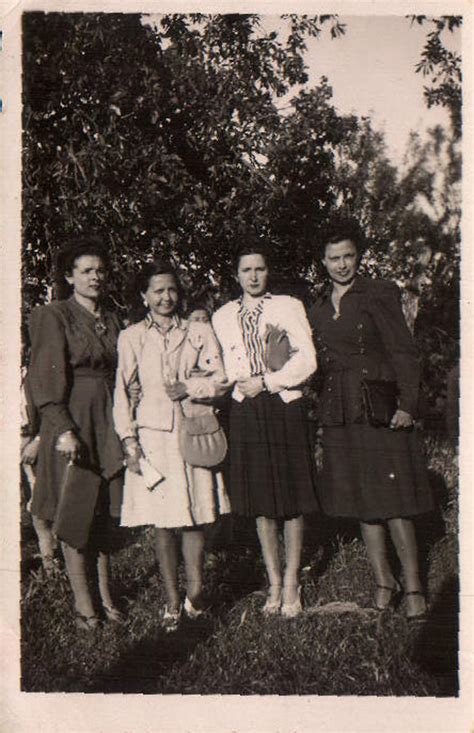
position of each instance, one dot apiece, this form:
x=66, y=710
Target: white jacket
x=285, y=313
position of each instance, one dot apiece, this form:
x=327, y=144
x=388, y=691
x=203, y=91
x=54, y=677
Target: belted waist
x=90, y=373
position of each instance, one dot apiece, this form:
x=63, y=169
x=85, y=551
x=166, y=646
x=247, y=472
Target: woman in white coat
x=271, y=466
x=170, y=361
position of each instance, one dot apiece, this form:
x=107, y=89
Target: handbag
x=380, y=398
x=202, y=440
x=277, y=348
x=76, y=505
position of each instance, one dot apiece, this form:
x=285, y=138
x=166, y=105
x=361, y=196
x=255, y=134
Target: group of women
x=108, y=398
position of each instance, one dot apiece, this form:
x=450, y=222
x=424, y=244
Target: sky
x=372, y=70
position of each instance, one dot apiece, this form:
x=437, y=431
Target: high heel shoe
x=113, y=614
x=272, y=605
x=191, y=610
x=394, y=598
x=291, y=610
x=171, y=619
x=86, y=623
x=417, y=618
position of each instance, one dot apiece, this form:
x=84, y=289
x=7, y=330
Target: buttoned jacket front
x=287, y=314
x=369, y=340
x=149, y=358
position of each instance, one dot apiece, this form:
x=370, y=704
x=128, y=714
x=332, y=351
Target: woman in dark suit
x=374, y=474
x=72, y=367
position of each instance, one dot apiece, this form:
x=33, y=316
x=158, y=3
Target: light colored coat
x=284, y=312
x=148, y=358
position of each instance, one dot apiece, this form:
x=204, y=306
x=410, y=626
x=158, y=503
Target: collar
x=267, y=296
x=359, y=285
x=176, y=322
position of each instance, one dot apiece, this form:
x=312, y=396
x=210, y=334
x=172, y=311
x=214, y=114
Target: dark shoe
x=394, y=598
x=86, y=623
x=417, y=618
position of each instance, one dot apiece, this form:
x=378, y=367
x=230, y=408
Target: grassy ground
x=339, y=646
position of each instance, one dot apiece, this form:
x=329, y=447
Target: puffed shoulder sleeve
x=209, y=362
x=302, y=362
x=48, y=370
x=398, y=342
x=125, y=375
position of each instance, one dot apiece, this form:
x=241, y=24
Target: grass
x=342, y=648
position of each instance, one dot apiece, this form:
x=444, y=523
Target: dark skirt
x=373, y=473
x=90, y=405
x=271, y=464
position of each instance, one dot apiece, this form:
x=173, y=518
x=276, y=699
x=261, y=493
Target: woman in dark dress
x=73, y=361
x=271, y=468
x=374, y=474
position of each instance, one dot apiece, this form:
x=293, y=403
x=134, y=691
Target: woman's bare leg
x=103, y=575
x=402, y=532
x=167, y=553
x=193, y=554
x=46, y=541
x=293, y=529
x=375, y=540
x=267, y=530
x=76, y=570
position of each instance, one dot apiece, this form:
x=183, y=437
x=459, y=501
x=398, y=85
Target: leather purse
x=202, y=441
x=277, y=348
x=76, y=506
x=380, y=398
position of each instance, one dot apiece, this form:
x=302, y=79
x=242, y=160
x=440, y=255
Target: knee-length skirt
x=272, y=470
x=373, y=473
x=187, y=496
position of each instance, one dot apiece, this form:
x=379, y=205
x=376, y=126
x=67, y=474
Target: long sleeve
x=126, y=373
x=209, y=362
x=398, y=343
x=302, y=363
x=48, y=371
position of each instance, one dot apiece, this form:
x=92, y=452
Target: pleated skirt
x=272, y=472
x=373, y=473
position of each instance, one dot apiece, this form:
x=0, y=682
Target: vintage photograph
x=241, y=251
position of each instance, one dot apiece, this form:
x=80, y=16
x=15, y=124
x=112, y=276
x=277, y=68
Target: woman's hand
x=133, y=454
x=400, y=420
x=135, y=394
x=176, y=391
x=29, y=452
x=251, y=386
x=69, y=445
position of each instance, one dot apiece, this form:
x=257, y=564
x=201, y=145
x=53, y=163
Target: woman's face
x=252, y=274
x=341, y=261
x=87, y=276
x=162, y=295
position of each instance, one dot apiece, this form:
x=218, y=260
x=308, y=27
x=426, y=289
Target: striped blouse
x=254, y=346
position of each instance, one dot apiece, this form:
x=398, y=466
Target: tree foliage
x=443, y=66
x=169, y=140
x=166, y=136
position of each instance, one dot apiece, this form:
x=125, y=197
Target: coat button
x=365, y=371
x=362, y=350
x=329, y=389
x=360, y=326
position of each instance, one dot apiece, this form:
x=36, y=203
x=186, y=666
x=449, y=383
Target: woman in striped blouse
x=271, y=470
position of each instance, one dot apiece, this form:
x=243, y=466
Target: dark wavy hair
x=142, y=281
x=81, y=246
x=340, y=229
